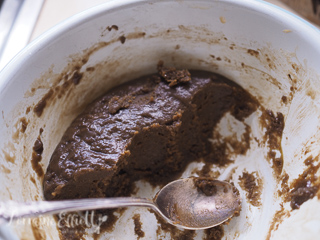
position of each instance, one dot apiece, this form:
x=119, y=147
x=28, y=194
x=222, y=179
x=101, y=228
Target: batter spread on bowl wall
x=150, y=128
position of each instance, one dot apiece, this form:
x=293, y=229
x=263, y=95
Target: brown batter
x=206, y=186
x=138, y=226
x=146, y=129
x=306, y=186
x=252, y=184
x=37, y=155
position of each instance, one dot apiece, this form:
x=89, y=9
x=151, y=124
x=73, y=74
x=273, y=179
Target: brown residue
x=33, y=180
x=252, y=52
x=16, y=133
x=38, y=146
x=295, y=67
x=215, y=233
x=284, y=186
x=306, y=186
x=252, y=184
x=24, y=124
x=206, y=186
x=90, y=69
x=174, y=232
x=227, y=60
x=218, y=157
x=67, y=229
x=206, y=171
x=138, y=226
x=5, y=169
x=108, y=226
x=238, y=147
x=278, y=218
x=76, y=77
x=135, y=35
x=311, y=93
x=116, y=103
x=271, y=63
x=220, y=148
x=173, y=76
x=39, y=107
x=122, y=39
x=8, y=157
x=274, y=128
x=76, y=229
x=37, y=157
x=63, y=82
x=115, y=27
x=36, y=166
x=284, y=99
x=9, y=192
x=38, y=234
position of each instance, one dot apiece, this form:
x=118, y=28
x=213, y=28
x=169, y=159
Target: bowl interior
x=270, y=53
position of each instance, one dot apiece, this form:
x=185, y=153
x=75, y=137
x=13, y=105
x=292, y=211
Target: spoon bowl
x=198, y=203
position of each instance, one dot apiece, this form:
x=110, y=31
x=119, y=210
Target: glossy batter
x=149, y=128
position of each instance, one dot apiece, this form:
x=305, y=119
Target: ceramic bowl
x=271, y=53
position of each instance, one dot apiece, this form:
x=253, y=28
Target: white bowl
x=210, y=35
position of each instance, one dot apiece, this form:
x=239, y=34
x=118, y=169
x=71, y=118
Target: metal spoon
x=190, y=203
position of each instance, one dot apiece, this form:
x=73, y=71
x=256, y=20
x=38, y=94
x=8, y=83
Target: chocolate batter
x=37, y=155
x=203, y=185
x=252, y=184
x=138, y=226
x=150, y=128
x=306, y=186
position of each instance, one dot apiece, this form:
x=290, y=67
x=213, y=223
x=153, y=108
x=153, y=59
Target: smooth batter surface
x=146, y=129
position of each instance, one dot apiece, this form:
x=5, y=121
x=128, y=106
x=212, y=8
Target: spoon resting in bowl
x=190, y=203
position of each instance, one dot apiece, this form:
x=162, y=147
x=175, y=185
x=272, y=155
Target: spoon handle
x=12, y=210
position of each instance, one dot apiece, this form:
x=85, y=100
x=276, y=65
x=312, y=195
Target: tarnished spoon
x=190, y=203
